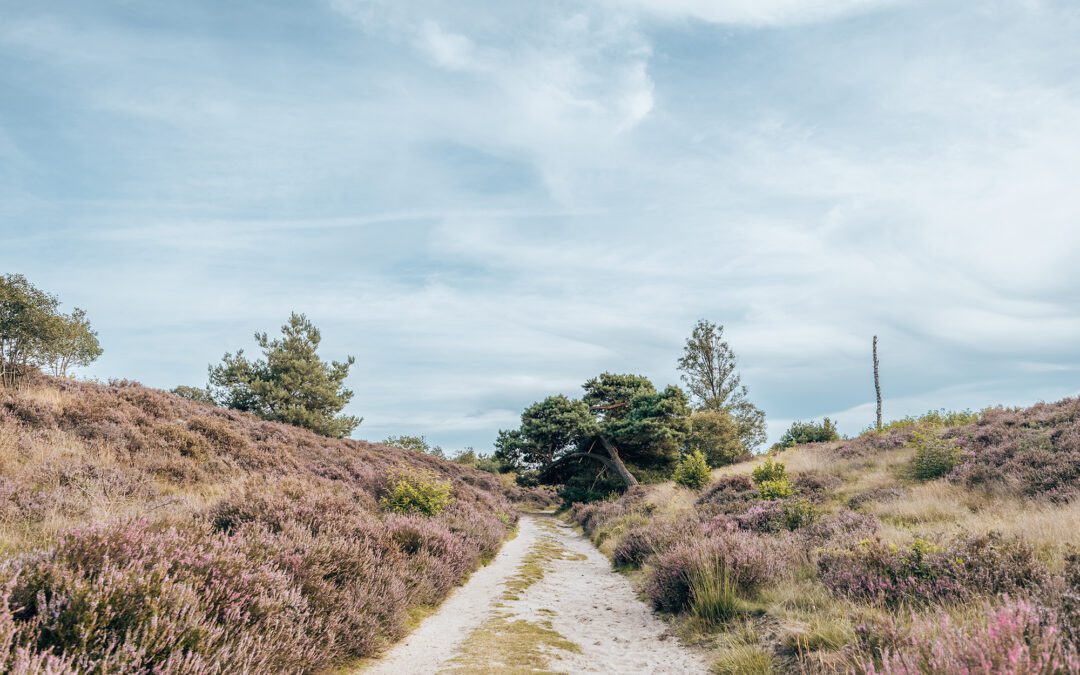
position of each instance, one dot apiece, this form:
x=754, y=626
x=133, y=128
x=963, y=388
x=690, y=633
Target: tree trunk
x=877, y=385
x=617, y=463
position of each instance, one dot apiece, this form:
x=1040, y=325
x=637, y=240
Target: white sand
x=584, y=600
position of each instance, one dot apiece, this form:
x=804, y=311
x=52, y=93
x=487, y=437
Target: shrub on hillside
x=801, y=433
x=772, y=481
x=417, y=493
x=841, y=529
x=692, y=471
x=935, y=456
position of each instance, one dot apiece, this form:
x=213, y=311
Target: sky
x=486, y=202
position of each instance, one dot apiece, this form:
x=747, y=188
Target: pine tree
x=292, y=384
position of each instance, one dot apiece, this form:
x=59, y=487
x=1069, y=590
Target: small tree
x=708, y=369
x=71, y=342
x=716, y=434
x=292, y=385
x=692, y=471
x=35, y=334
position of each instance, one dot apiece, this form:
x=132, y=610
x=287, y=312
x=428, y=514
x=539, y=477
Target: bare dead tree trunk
x=877, y=385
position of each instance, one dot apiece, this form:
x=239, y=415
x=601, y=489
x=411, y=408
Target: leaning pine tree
x=292, y=384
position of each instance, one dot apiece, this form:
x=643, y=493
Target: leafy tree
x=708, y=369
x=716, y=434
x=621, y=423
x=197, y=394
x=416, y=444
x=35, y=334
x=292, y=384
x=71, y=342
x=800, y=433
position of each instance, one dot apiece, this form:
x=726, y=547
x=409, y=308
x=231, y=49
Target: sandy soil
x=578, y=616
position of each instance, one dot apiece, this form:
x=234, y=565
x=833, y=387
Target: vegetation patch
x=507, y=645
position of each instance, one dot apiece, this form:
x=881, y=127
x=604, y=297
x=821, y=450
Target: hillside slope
x=946, y=543
x=140, y=531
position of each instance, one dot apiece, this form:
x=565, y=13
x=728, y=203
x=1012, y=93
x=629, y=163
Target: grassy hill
x=946, y=543
x=140, y=531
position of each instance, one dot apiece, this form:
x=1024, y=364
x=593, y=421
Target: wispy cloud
x=487, y=202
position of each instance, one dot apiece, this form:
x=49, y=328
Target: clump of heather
x=1033, y=451
x=777, y=515
x=986, y=564
x=887, y=574
x=843, y=529
x=653, y=538
x=1018, y=638
x=594, y=516
x=749, y=560
x=728, y=494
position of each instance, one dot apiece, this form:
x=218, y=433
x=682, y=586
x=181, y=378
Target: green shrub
x=418, y=493
x=934, y=456
x=771, y=479
x=775, y=489
x=800, y=433
x=692, y=470
x=798, y=513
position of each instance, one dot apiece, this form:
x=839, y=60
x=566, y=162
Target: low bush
x=935, y=456
x=692, y=471
x=801, y=433
x=772, y=481
x=417, y=493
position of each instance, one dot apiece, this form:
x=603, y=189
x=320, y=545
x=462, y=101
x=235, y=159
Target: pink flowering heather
x=1017, y=639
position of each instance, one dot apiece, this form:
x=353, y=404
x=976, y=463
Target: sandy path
x=548, y=601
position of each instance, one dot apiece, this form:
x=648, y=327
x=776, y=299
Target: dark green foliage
x=35, y=334
x=708, y=369
x=292, y=385
x=692, y=471
x=621, y=425
x=801, y=433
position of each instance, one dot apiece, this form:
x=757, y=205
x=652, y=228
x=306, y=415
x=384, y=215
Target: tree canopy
x=708, y=366
x=290, y=384
x=35, y=334
x=622, y=424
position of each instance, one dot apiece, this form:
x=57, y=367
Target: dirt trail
x=548, y=602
